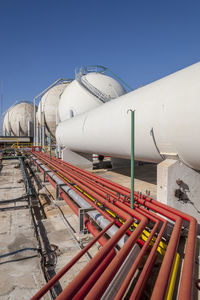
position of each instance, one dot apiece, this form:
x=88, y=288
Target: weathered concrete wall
x=179, y=187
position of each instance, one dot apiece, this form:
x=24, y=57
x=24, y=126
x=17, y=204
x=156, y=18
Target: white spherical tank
x=5, y=124
x=48, y=106
x=84, y=95
x=18, y=118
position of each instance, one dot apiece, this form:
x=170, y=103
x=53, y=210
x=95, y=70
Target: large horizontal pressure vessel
x=78, y=98
x=48, y=106
x=167, y=122
x=18, y=118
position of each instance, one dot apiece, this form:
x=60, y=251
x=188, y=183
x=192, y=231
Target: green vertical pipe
x=132, y=155
x=50, y=146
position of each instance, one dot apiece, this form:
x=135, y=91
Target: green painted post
x=50, y=146
x=132, y=155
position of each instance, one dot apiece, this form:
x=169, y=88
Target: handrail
x=88, y=86
x=104, y=69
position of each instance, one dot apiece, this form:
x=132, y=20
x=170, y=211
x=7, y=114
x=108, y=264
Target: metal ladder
x=80, y=77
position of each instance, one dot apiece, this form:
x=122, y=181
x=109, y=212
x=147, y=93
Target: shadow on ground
x=145, y=172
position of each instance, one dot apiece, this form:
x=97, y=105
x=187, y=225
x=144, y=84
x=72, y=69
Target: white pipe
x=121, y=274
x=167, y=122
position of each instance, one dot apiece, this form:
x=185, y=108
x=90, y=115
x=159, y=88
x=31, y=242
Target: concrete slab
x=145, y=177
x=20, y=275
x=179, y=187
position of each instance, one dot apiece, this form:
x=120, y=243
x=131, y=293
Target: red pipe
x=96, y=196
x=76, y=180
x=81, y=182
x=94, y=277
x=70, y=291
x=144, y=276
x=99, y=288
x=185, y=290
x=164, y=273
x=114, y=266
x=102, y=240
x=108, y=183
x=107, y=216
x=148, y=265
x=74, y=207
x=186, y=282
x=68, y=266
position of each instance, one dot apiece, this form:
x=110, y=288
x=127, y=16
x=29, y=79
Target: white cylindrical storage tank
x=18, y=119
x=48, y=106
x=167, y=122
x=83, y=96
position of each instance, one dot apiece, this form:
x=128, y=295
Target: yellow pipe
x=171, y=285
x=145, y=234
x=110, y=212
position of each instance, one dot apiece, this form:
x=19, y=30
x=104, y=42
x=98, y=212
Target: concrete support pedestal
x=179, y=187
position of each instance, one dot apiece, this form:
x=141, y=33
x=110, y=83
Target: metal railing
x=21, y=145
x=81, y=78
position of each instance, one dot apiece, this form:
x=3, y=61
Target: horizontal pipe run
x=162, y=281
x=148, y=265
x=140, y=284
x=83, y=291
x=170, y=290
x=74, y=207
x=97, y=291
x=164, y=273
x=185, y=289
x=94, y=215
x=78, y=198
x=119, y=277
x=136, y=262
x=133, y=269
x=94, y=231
x=94, y=188
x=94, y=194
x=70, y=291
x=110, y=184
x=64, y=270
x=117, y=197
x=102, y=191
x=98, y=188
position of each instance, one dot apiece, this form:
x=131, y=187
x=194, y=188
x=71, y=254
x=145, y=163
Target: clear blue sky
x=42, y=40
